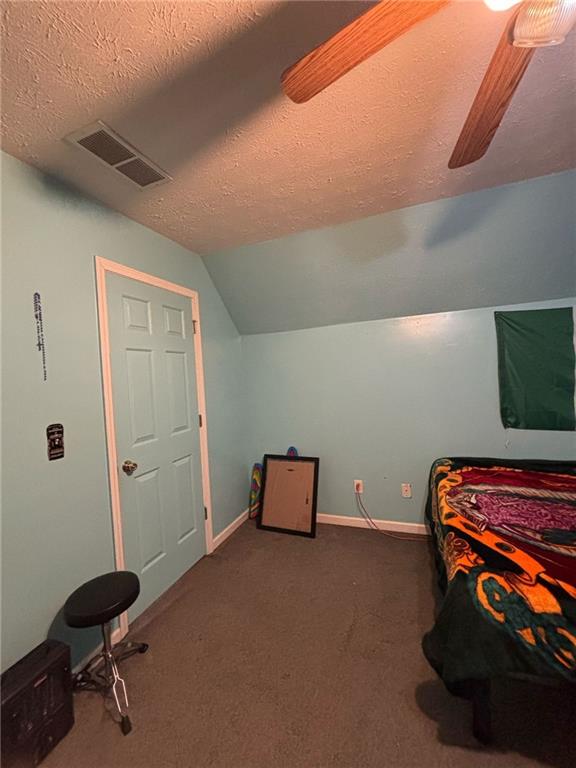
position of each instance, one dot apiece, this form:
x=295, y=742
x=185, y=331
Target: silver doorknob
x=129, y=467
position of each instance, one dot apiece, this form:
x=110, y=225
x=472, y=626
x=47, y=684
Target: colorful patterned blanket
x=504, y=536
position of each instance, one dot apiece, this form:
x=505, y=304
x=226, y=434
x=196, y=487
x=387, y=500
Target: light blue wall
x=375, y=400
x=508, y=245
x=56, y=518
x=379, y=401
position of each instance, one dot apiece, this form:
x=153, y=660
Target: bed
x=504, y=540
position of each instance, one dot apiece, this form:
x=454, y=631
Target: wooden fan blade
x=502, y=77
x=352, y=45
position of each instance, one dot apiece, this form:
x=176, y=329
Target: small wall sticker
x=55, y=437
x=40, y=345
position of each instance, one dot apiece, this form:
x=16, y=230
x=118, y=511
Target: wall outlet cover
x=358, y=486
x=407, y=490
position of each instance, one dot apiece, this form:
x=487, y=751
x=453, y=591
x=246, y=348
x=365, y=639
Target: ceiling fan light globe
x=545, y=42
x=543, y=23
x=500, y=5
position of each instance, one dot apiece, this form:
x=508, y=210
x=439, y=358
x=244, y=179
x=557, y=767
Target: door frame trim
x=104, y=266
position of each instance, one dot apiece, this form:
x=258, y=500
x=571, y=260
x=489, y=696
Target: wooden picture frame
x=289, y=494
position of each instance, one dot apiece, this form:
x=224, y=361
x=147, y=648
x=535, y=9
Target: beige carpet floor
x=299, y=653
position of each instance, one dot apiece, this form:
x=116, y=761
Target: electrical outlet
x=358, y=486
x=406, y=490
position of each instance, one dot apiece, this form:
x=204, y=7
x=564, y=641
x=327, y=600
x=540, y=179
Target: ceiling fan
x=537, y=23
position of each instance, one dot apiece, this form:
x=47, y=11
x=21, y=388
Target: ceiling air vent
x=111, y=149
x=104, y=146
x=140, y=172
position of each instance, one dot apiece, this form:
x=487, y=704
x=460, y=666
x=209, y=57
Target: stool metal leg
x=107, y=651
x=115, y=682
x=101, y=673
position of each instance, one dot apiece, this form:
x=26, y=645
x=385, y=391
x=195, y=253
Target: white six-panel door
x=156, y=432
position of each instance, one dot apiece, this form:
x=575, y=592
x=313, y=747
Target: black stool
x=98, y=602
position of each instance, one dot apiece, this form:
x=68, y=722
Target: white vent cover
x=115, y=152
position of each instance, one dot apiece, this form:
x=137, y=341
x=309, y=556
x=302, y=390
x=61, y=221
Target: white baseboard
x=385, y=525
x=229, y=530
x=419, y=529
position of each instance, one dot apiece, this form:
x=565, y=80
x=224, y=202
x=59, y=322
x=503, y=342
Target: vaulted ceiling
x=196, y=87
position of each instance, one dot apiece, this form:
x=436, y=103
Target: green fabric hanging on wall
x=536, y=368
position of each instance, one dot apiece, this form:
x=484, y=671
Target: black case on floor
x=37, y=708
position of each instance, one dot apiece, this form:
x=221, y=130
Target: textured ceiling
x=195, y=86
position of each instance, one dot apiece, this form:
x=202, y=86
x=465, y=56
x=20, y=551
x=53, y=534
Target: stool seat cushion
x=101, y=599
